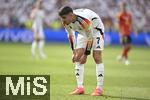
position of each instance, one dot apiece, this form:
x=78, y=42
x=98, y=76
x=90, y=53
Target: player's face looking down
x=68, y=18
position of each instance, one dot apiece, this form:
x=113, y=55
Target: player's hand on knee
x=83, y=59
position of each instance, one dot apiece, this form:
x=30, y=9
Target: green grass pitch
x=121, y=82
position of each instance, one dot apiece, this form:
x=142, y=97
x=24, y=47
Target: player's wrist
x=72, y=47
x=88, y=47
x=87, y=52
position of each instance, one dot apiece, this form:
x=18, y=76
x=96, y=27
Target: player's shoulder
x=82, y=11
x=86, y=13
x=79, y=11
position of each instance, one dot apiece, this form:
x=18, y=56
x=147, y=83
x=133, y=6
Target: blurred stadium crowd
x=15, y=13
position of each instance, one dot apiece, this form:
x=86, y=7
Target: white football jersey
x=87, y=24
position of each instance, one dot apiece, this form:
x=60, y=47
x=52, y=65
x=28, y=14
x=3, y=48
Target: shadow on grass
x=124, y=97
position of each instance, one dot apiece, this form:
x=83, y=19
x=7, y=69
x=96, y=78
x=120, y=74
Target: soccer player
x=125, y=26
x=90, y=37
x=37, y=15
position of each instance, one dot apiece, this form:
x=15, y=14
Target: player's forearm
x=70, y=37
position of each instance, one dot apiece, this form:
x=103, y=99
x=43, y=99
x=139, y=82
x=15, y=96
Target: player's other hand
x=83, y=59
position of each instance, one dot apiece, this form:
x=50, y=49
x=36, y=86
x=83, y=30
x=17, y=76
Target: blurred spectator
x=14, y=13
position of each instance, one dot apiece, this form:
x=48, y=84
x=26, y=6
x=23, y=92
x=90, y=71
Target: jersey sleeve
x=71, y=36
x=69, y=30
x=87, y=26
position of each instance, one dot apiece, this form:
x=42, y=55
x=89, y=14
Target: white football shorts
x=98, y=42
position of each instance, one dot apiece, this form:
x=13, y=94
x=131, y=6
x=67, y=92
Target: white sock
x=79, y=72
x=41, y=48
x=100, y=75
x=33, y=48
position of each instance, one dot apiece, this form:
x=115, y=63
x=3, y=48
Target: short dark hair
x=65, y=10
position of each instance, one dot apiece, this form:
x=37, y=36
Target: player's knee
x=97, y=55
x=97, y=59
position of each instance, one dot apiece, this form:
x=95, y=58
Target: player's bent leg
x=79, y=72
x=97, y=55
